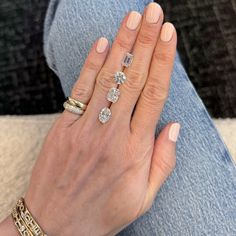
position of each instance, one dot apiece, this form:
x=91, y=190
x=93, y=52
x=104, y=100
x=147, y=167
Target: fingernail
x=153, y=13
x=102, y=45
x=133, y=20
x=167, y=32
x=174, y=132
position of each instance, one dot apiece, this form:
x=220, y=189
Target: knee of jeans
x=48, y=46
x=72, y=26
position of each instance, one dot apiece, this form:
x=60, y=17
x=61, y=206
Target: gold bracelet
x=20, y=224
x=26, y=220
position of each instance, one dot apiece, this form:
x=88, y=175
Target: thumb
x=163, y=160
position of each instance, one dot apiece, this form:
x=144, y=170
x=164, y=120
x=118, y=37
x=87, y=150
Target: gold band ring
x=77, y=103
x=72, y=108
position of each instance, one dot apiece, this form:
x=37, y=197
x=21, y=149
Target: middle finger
x=122, y=44
x=138, y=71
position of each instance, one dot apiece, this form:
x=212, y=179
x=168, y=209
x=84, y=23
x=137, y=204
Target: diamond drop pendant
x=120, y=77
x=113, y=95
x=104, y=115
x=128, y=59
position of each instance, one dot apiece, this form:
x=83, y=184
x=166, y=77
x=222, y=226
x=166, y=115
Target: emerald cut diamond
x=127, y=60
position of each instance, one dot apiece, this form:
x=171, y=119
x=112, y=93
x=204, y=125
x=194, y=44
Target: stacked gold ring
x=77, y=103
x=74, y=106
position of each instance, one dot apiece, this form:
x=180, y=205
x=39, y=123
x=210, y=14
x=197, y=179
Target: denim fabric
x=199, y=198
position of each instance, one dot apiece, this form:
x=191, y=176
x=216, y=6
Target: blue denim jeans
x=199, y=198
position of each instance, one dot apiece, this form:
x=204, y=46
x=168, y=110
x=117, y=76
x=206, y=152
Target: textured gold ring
x=72, y=108
x=77, y=103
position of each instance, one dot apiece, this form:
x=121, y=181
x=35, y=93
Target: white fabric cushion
x=20, y=141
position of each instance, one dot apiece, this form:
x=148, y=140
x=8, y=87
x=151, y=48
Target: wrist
x=8, y=228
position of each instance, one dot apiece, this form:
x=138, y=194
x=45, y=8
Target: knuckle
x=155, y=92
x=92, y=65
x=81, y=91
x=123, y=42
x=146, y=38
x=167, y=166
x=135, y=80
x=105, y=80
x=162, y=58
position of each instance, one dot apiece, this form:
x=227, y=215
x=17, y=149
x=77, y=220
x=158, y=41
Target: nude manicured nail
x=174, y=132
x=102, y=45
x=153, y=13
x=167, y=32
x=133, y=20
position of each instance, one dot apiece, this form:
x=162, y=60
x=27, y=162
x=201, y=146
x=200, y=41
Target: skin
x=95, y=179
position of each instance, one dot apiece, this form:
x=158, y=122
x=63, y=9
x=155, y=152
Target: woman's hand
x=93, y=178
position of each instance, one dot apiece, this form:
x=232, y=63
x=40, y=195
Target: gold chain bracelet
x=20, y=224
x=24, y=221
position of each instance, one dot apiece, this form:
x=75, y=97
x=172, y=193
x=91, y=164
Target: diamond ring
x=120, y=77
x=76, y=103
x=114, y=93
x=127, y=60
x=72, y=108
x=104, y=115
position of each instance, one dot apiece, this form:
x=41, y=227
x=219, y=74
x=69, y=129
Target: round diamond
x=113, y=95
x=104, y=115
x=120, y=77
